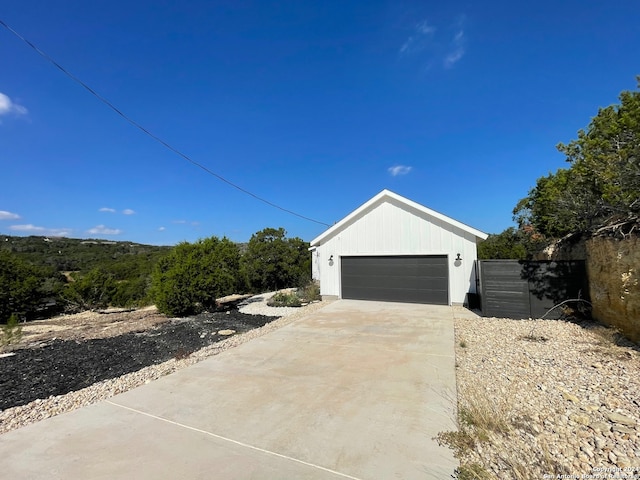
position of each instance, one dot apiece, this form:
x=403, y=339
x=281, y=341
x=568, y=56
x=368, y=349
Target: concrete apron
x=356, y=390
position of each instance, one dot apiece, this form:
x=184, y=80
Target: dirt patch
x=65, y=354
x=89, y=325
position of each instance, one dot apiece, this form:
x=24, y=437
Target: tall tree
x=20, y=285
x=602, y=185
x=273, y=261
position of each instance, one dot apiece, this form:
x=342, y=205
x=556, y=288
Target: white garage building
x=393, y=249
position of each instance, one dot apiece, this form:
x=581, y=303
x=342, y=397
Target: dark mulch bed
x=61, y=367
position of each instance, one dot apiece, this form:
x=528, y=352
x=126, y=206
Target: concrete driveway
x=355, y=390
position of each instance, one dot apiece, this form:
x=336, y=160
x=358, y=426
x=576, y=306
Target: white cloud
x=446, y=45
x=457, y=49
x=420, y=39
x=399, y=170
x=128, y=211
x=4, y=215
x=162, y=229
x=7, y=106
x=107, y=209
x=29, y=228
x=424, y=28
x=102, y=230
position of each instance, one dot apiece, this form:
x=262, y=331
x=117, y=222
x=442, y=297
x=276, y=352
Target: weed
x=473, y=471
x=11, y=332
x=463, y=344
x=485, y=415
x=309, y=292
x=534, y=338
x=460, y=441
x=284, y=299
x=609, y=336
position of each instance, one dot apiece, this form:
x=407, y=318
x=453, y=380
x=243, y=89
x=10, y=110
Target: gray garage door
x=411, y=278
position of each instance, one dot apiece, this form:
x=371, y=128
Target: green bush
x=94, y=290
x=20, y=286
x=272, y=261
x=192, y=276
x=310, y=292
x=284, y=299
x=11, y=332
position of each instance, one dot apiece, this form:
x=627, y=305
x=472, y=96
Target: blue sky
x=314, y=106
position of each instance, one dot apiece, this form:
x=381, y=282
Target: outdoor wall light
x=458, y=258
x=331, y=259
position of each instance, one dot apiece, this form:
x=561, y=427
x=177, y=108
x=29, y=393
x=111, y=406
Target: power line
x=150, y=134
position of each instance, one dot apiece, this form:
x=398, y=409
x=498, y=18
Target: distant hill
x=73, y=254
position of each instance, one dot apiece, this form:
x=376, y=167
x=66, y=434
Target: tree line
x=599, y=191
x=35, y=279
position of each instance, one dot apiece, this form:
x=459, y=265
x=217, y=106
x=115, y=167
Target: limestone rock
x=568, y=396
x=226, y=332
x=621, y=419
x=581, y=419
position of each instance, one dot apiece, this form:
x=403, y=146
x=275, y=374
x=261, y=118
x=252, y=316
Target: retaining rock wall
x=613, y=267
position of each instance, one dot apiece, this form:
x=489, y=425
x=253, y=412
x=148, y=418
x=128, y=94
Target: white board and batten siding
x=389, y=224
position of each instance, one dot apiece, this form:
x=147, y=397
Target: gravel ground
x=60, y=376
x=547, y=397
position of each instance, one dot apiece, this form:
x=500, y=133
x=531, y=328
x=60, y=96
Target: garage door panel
x=396, y=282
x=414, y=279
x=400, y=295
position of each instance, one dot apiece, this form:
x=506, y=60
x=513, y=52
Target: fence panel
x=528, y=289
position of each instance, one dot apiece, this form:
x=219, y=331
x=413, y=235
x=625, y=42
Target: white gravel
x=568, y=393
x=257, y=305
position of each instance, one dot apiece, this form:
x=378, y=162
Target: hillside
x=73, y=254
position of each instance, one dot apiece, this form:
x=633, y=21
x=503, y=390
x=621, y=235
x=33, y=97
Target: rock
x=600, y=426
x=587, y=450
x=621, y=419
x=590, y=408
x=623, y=462
x=597, y=365
x=621, y=429
x=583, y=458
x=600, y=443
x=570, y=397
x=581, y=419
x=226, y=332
x=612, y=457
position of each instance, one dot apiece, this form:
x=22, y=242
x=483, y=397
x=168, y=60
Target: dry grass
x=485, y=412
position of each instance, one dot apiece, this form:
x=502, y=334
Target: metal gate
x=528, y=289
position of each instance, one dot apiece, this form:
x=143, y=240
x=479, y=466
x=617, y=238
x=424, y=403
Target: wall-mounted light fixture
x=331, y=259
x=458, y=258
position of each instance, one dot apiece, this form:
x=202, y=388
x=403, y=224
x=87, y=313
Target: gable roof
x=384, y=196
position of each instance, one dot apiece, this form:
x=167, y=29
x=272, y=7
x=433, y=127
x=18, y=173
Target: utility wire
x=150, y=134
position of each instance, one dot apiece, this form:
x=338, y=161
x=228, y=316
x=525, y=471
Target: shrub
x=272, y=261
x=11, y=332
x=310, y=292
x=20, y=286
x=192, y=276
x=94, y=290
x=284, y=299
